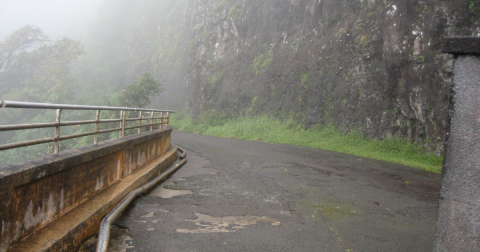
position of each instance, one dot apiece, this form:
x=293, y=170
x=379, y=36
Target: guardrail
x=144, y=114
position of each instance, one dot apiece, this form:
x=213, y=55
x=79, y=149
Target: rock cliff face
x=374, y=65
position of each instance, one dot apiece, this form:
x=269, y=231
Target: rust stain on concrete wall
x=62, y=184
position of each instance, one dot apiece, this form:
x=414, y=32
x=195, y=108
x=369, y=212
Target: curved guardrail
x=144, y=114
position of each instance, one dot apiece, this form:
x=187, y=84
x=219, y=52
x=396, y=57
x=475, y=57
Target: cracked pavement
x=236, y=195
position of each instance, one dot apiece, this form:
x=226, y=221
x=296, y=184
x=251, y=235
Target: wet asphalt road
x=236, y=195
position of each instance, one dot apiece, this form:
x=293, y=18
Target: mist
x=316, y=62
x=56, y=18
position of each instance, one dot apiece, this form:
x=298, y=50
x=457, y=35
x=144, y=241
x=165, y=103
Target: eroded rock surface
x=367, y=64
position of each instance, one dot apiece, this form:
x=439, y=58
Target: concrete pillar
x=458, y=226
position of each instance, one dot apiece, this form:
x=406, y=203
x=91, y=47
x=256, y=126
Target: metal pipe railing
x=58, y=124
x=104, y=232
x=34, y=105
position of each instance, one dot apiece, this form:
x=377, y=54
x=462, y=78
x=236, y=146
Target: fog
x=56, y=18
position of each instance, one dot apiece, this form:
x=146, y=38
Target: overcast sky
x=57, y=18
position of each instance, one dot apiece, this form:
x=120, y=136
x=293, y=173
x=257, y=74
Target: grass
x=268, y=129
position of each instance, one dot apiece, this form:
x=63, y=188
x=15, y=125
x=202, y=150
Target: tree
x=138, y=94
x=34, y=68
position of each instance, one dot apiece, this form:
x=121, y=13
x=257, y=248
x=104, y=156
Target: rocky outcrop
x=367, y=64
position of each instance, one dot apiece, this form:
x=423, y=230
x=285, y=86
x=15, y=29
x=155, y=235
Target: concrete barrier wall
x=458, y=226
x=35, y=192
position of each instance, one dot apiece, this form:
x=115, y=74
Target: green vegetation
x=305, y=79
x=420, y=8
x=340, y=31
x=420, y=59
x=359, y=25
x=296, y=45
x=268, y=129
x=35, y=69
x=234, y=12
x=272, y=89
x=261, y=62
x=472, y=7
x=363, y=41
x=213, y=78
x=249, y=111
x=222, y=4
x=137, y=94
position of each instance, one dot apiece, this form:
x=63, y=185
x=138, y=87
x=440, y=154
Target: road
x=236, y=195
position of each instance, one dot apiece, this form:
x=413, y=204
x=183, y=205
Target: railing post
x=151, y=120
x=122, y=124
x=56, y=145
x=97, y=127
x=161, y=120
x=140, y=122
x=168, y=118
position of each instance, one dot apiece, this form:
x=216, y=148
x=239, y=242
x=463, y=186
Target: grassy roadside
x=267, y=129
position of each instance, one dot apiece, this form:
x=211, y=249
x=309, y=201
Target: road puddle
x=209, y=224
x=149, y=215
x=167, y=193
